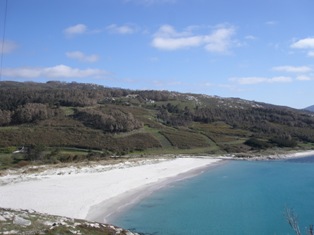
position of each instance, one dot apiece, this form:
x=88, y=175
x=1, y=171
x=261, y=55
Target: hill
x=310, y=108
x=61, y=122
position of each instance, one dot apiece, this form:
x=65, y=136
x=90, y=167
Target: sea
x=237, y=197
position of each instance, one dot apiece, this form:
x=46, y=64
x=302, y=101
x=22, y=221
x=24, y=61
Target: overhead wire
x=3, y=37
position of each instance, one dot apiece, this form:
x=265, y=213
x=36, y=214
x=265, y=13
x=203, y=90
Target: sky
x=261, y=50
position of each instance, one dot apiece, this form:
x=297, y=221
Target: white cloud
x=167, y=38
x=124, y=29
x=177, y=43
x=304, y=78
x=258, y=80
x=78, y=55
x=306, y=43
x=75, y=30
x=58, y=71
x=219, y=40
x=293, y=69
x=167, y=31
x=7, y=46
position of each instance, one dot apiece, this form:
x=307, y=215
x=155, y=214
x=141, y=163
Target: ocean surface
x=238, y=197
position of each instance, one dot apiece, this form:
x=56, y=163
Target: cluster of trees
x=5, y=117
x=280, y=126
x=13, y=94
x=157, y=95
x=28, y=113
x=280, y=141
x=254, y=116
x=263, y=120
x=112, y=121
x=173, y=115
x=30, y=102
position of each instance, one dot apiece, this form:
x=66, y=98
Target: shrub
x=283, y=141
x=256, y=143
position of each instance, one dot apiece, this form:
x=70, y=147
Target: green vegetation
x=185, y=139
x=48, y=118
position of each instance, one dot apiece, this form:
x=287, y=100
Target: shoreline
x=74, y=195
x=101, y=192
x=266, y=157
x=118, y=205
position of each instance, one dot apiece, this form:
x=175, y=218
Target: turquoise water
x=238, y=197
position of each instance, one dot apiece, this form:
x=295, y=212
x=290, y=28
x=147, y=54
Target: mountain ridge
x=59, y=121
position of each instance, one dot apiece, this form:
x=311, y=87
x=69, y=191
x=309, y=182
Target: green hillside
x=61, y=122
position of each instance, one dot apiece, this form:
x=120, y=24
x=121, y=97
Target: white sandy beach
x=91, y=193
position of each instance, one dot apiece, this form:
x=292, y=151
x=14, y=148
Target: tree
x=31, y=112
x=5, y=117
x=34, y=152
x=110, y=121
x=256, y=143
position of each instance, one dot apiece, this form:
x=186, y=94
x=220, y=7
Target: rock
x=129, y=233
x=2, y=218
x=21, y=221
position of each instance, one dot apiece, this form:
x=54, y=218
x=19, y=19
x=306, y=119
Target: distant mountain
x=310, y=108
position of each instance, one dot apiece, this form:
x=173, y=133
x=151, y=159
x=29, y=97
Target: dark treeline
x=29, y=102
x=277, y=124
x=108, y=121
x=14, y=95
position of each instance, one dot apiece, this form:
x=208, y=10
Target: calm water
x=238, y=197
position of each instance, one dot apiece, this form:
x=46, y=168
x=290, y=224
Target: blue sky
x=260, y=50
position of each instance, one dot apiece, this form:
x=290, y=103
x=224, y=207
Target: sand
x=99, y=192
x=94, y=194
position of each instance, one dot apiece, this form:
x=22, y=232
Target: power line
x=3, y=36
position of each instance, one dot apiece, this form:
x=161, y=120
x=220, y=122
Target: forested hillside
x=56, y=121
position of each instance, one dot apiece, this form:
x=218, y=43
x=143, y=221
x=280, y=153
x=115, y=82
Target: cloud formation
x=7, y=46
x=78, y=55
x=219, y=40
x=124, y=29
x=58, y=71
x=75, y=30
x=293, y=69
x=306, y=43
x=257, y=80
x=304, y=78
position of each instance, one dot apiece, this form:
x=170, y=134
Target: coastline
x=108, y=210
x=100, y=192
x=78, y=195
x=272, y=156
